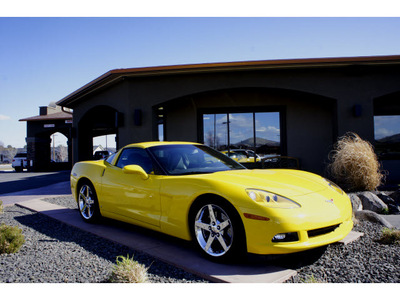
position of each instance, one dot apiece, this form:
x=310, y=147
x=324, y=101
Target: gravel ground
x=363, y=261
x=55, y=252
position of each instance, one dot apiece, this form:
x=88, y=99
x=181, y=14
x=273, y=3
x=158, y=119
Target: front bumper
x=259, y=238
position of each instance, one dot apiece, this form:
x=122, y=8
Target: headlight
x=270, y=199
x=334, y=186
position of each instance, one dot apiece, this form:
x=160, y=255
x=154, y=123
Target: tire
x=88, y=204
x=217, y=230
x=18, y=169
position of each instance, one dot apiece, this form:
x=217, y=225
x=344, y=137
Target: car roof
x=156, y=143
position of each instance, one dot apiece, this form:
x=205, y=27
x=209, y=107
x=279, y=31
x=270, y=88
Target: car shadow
x=56, y=231
x=109, y=250
x=291, y=261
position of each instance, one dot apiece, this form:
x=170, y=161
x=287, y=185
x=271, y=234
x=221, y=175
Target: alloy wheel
x=213, y=230
x=86, y=202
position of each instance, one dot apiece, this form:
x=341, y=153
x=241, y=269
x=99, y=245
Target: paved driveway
x=12, y=182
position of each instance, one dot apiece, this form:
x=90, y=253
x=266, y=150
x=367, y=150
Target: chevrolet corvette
x=193, y=192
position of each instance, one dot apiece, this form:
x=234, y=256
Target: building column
x=38, y=153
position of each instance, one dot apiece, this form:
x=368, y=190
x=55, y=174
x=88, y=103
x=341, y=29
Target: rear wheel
x=217, y=230
x=88, y=204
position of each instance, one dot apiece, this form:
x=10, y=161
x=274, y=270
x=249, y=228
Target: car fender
x=87, y=170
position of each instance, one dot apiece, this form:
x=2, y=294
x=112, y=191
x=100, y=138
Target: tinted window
x=256, y=131
x=135, y=156
x=110, y=158
x=387, y=136
x=192, y=159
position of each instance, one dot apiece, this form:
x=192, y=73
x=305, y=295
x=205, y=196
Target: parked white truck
x=20, y=162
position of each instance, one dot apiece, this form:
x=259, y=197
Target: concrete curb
x=167, y=249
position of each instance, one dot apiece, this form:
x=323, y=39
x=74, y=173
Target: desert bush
x=1, y=207
x=355, y=165
x=11, y=239
x=390, y=236
x=127, y=270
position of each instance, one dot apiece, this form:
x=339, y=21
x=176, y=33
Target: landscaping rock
x=372, y=202
x=355, y=202
x=392, y=205
x=396, y=197
x=367, y=215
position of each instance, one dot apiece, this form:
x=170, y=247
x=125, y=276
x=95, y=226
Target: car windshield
x=192, y=159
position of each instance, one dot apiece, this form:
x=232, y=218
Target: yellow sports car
x=193, y=192
x=242, y=156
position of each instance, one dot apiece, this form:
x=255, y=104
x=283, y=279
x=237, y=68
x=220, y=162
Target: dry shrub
x=355, y=165
x=1, y=207
x=127, y=270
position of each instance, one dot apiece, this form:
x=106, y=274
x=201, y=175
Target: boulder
x=391, y=204
x=355, y=202
x=367, y=215
x=396, y=197
x=372, y=202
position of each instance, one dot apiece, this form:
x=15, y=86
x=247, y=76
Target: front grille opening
x=322, y=231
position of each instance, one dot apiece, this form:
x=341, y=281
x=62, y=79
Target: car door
x=130, y=195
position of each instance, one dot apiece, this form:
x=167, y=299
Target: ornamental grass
x=355, y=165
x=127, y=270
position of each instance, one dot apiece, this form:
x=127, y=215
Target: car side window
x=110, y=158
x=135, y=156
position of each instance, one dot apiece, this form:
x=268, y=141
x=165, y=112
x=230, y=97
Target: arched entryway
x=40, y=145
x=99, y=121
x=268, y=121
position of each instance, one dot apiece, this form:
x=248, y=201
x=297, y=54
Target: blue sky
x=44, y=59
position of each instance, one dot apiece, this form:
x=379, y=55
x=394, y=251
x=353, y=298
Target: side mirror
x=136, y=169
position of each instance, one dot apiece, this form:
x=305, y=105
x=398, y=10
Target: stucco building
x=294, y=108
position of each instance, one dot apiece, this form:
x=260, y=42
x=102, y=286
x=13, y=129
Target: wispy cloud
x=3, y=118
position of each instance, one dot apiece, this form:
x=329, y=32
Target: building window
x=257, y=131
x=160, y=123
x=387, y=136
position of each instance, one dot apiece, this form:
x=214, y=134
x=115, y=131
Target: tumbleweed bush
x=11, y=239
x=127, y=270
x=355, y=164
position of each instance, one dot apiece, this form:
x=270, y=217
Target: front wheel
x=87, y=203
x=218, y=231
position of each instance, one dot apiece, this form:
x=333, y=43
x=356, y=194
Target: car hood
x=287, y=183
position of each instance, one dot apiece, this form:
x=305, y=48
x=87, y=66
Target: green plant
x=312, y=279
x=11, y=239
x=355, y=165
x=390, y=236
x=127, y=270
